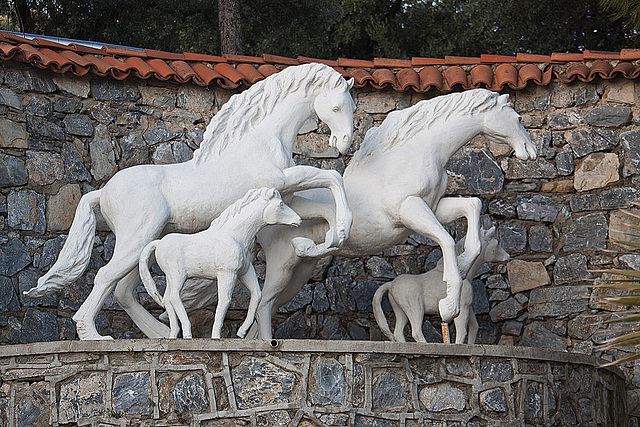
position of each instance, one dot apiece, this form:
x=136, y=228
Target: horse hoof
x=304, y=247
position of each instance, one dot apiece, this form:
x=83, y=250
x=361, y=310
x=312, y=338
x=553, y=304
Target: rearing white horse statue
x=248, y=144
x=395, y=185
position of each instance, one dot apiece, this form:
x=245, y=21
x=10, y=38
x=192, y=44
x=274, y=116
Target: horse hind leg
x=178, y=312
x=451, y=208
x=226, y=283
x=401, y=319
x=416, y=215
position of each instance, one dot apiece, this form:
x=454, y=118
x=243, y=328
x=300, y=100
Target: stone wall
x=61, y=137
x=310, y=383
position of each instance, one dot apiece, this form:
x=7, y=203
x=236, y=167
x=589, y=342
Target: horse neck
x=448, y=135
x=287, y=117
x=247, y=223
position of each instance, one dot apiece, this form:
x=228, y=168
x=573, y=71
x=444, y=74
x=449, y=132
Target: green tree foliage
x=628, y=10
x=337, y=28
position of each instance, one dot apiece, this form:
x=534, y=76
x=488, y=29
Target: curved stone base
x=240, y=382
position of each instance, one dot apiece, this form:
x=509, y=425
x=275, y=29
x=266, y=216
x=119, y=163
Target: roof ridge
x=495, y=72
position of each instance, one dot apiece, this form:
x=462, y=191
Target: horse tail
x=145, y=275
x=76, y=251
x=377, y=310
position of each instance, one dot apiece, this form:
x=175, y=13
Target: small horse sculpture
x=414, y=295
x=248, y=144
x=395, y=185
x=221, y=251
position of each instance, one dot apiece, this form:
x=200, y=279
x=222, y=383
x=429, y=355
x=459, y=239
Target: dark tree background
x=334, y=28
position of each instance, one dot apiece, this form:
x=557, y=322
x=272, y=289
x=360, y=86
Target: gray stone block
x=572, y=268
x=26, y=211
x=131, y=394
x=388, y=392
x=464, y=178
x=493, y=400
x=630, y=142
x=587, y=141
x=537, y=208
x=78, y=124
x=12, y=171
x=10, y=99
x=190, y=394
x=112, y=90
x=584, y=202
x=587, y=232
x=330, y=384
x=42, y=129
x=536, y=335
x=13, y=257
x=558, y=301
x=610, y=115
x=512, y=237
x=38, y=326
x=9, y=300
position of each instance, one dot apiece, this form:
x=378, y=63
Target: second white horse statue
x=248, y=144
x=221, y=251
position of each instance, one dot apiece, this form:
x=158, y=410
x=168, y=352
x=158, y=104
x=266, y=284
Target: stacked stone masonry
x=312, y=383
x=62, y=136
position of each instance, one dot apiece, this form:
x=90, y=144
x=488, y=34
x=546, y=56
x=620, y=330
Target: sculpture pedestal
x=244, y=382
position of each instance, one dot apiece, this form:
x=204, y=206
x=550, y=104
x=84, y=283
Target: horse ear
x=491, y=232
x=350, y=83
x=504, y=98
x=271, y=192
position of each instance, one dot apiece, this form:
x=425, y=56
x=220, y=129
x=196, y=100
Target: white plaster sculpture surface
x=248, y=144
x=395, y=185
x=414, y=295
x=220, y=252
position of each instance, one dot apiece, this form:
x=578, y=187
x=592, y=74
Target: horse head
x=335, y=107
x=504, y=126
x=277, y=212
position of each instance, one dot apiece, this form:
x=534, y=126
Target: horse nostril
x=346, y=138
x=334, y=140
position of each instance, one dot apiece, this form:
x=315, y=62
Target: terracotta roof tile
x=408, y=79
x=460, y=60
x=391, y=63
x=495, y=72
x=629, y=54
x=455, y=76
x=431, y=77
x=274, y=59
x=383, y=77
x=597, y=54
x=528, y=57
x=497, y=59
x=243, y=58
x=567, y=57
x=354, y=63
x=200, y=57
x=250, y=73
x=151, y=53
x=421, y=62
x=307, y=60
x=482, y=76
x=267, y=70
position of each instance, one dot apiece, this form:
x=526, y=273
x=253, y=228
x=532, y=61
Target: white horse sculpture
x=221, y=251
x=395, y=185
x=414, y=295
x=248, y=144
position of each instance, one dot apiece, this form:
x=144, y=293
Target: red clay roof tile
x=528, y=57
x=354, y=63
x=566, y=57
x=431, y=77
x=200, y=57
x=250, y=73
x=267, y=70
x=383, y=77
x=421, y=62
x=629, y=54
x=274, y=59
x=496, y=59
x=482, y=76
x=598, y=54
x=307, y=60
x=408, y=79
x=243, y=58
x=230, y=71
x=391, y=63
x=461, y=60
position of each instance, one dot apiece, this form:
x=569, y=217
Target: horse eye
x=336, y=109
x=281, y=204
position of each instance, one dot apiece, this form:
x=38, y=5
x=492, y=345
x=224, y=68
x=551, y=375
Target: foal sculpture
x=414, y=295
x=395, y=185
x=248, y=144
x=219, y=252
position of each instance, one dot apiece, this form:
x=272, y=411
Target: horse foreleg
x=250, y=281
x=416, y=215
x=226, y=283
x=451, y=208
x=298, y=178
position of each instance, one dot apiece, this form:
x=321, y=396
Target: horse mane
x=247, y=109
x=235, y=208
x=402, y=125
